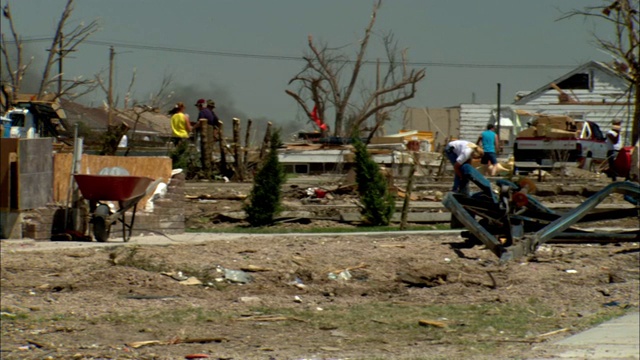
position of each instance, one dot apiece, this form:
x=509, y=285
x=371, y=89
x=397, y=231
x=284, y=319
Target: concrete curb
x=615, y=339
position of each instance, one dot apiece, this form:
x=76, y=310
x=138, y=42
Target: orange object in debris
x=196, y=356
x=320, y=193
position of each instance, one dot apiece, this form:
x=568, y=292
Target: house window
x=576, y=82
x=301, y=168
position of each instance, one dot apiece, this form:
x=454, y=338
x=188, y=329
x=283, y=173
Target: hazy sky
x=454, y=40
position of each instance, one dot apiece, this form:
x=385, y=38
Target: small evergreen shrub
x=377, y=203
x=184, y=157
x=266, y=195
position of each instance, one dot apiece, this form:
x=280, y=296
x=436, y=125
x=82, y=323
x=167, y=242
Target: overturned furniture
x=517, y=223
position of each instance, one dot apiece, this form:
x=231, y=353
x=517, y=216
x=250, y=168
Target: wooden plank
x=7, y=147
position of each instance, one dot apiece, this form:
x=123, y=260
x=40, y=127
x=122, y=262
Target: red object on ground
x=320, y=193
x=196, y=356
x=111, y=188
x=623, y=161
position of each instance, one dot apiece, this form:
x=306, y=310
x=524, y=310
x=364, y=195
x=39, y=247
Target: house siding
x=606, y=89
x=474, y=117
x=607, y=100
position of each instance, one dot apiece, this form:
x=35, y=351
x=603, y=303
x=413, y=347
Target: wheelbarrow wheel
x=100, y=227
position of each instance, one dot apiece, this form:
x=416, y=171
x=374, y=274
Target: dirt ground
x=383, y=296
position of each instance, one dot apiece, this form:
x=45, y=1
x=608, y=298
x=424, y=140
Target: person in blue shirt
x=491, y=144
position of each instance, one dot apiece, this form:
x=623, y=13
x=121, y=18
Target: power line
x=299, y=58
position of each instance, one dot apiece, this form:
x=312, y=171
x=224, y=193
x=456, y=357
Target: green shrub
x=185, y=157
x=377, y=203
x=266, y=195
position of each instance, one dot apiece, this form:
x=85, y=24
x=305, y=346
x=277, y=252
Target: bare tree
x=623, y=44
x=16, y=67
x=15, y=70
x=157, y=99
x=320, y=83
x=73, y=38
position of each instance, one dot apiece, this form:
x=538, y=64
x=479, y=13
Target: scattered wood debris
x=438, y=324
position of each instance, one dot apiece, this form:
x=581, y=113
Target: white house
x=594, y=91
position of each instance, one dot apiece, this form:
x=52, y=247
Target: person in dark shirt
x=215, y=122
x=204, y=112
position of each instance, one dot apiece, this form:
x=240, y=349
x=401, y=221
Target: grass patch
x=316, y=230
x=478, y=329
x=9, y=314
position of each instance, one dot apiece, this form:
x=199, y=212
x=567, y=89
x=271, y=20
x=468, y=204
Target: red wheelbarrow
x=126, y=190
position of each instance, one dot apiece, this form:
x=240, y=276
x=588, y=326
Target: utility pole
x=62, y=52
x=498, y=116
x=60, y=56
x=112, y=55
x=377, y=97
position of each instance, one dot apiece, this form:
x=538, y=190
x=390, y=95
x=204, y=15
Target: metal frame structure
x=518, y=224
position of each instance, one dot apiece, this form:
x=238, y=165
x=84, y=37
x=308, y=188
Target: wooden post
x=247, y=146
x=407, y=193
x=265, y=141
x=112, y=54
x=211, y=145
x=223, y=154
x=236, y=149
x=205, y=154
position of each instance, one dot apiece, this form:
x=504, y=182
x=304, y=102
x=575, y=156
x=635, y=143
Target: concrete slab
x=615, y=339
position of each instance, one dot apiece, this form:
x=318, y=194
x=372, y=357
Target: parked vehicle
x=33, y=120
x=552, y=139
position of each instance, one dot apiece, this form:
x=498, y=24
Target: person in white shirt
x=460, y=153
x=614, y=145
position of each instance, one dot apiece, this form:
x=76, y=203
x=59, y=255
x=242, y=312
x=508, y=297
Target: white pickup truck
x=35, y=119
x=551, y=141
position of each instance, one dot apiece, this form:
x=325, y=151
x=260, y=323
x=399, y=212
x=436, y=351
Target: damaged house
x=594, y=91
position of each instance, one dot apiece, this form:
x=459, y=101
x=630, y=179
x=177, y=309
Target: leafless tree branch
x=320, y=82
x=624, y=17
x=73, y=38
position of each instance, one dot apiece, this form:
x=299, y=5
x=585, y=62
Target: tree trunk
x=223, y=154
x=265, y=141
x=112, y=138
x=205, y=146
x=247, y=146
x=338, y=124
x=635, y=135
x=236, y=149
x=407, y=195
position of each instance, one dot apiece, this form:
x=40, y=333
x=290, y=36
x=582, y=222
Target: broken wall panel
x=27, y=175
x=35, y=172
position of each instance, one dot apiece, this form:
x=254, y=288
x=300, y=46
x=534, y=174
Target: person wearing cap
x=203, y=112
x=614, y=144
x=216, y=121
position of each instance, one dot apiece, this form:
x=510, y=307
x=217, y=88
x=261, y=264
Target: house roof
x=580, y=69
x=157, y=121
x=98, y=118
